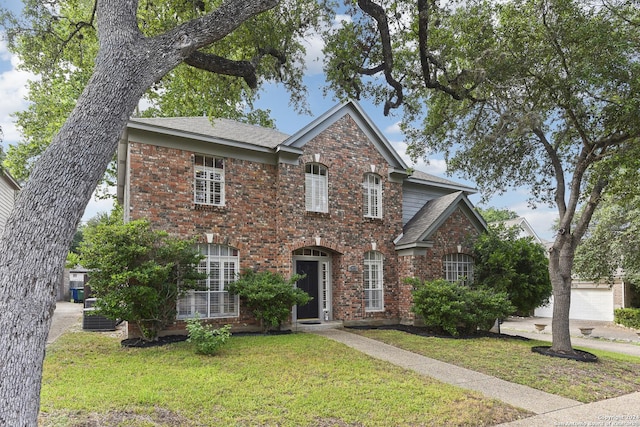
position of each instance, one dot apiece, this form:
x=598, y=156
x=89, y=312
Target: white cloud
x=434, y=166
x=13, y=90
x=97, y=206
x=393, y=129
x=314, y=42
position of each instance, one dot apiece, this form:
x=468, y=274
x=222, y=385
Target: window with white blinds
x=211, y=299
x=316, y=188
x=373, y=281
x=372, y=196
x=208, y=180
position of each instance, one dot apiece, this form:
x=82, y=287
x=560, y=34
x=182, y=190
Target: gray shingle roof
x=224, y=129
x=423, y=176
x=423, y=222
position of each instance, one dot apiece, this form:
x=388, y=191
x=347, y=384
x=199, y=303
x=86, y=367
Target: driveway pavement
x=66, y=315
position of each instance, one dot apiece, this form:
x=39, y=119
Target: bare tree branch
x=379, y=15
x=219, y=65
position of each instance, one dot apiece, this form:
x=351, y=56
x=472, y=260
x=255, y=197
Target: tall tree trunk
x=560, y=265
x=38, y=234
x=46, y=214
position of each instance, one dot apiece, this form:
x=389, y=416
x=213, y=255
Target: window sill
x=318, y=214
x=208, y=208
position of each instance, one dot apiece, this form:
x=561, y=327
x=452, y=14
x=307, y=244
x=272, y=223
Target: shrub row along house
x=334, y=201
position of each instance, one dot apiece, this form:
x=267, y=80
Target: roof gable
x=319, y=125
x=432, y=215
x=525, y=228
x=423, y=178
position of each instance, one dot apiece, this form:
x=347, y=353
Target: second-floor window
x=209, y=180
x=372, y=196
x=316, y=188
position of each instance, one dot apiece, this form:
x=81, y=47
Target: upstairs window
x=458, y=268
x=373, y=281
x=209, y=180
x=316, y=188
x=372, y=196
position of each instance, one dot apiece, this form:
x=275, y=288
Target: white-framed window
x=373, y=280
x=316, y=188
x=458, y=268
x=211, y=300
x=372, y=195
x=209, y=180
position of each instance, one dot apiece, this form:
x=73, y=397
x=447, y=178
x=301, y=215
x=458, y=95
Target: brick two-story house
x=334, y=201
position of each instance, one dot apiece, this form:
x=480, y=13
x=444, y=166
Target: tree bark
x=560, y=266
x=39, y=231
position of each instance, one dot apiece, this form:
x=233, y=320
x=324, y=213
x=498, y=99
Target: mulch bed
x=170, y=339
x=579, y=355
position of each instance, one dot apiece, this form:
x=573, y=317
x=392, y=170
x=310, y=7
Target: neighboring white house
x=525, y=229
x=589, y=300
x=8, y=191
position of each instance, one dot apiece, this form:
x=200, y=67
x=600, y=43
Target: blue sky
x=273, y=97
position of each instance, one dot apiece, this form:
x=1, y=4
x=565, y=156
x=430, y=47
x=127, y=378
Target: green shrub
x=269, y=296
x=454, y=308
x=629, y=317
x=138, y=273
x=206, y=338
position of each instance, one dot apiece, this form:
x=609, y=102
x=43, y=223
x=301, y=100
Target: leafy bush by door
x=269, y=296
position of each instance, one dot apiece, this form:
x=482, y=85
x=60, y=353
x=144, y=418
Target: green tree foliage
x=536, y=93
x=137, y=273
x=612, y=245
x=455, y=308
x=492, y=214
x=58, y=42
x=515, y=265
x=269, y=296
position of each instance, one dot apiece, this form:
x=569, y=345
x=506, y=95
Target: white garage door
x=586, y=304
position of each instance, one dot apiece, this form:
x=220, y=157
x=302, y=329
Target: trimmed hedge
x=455, y=308
x=629, y=317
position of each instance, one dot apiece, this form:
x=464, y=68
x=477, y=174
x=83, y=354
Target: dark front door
x=310, y=285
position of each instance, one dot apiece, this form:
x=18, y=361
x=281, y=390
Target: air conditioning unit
x=95, y=322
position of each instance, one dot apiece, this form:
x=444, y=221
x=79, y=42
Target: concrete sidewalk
x=551, y=410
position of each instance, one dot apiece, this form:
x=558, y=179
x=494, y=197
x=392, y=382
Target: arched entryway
x=315, y=264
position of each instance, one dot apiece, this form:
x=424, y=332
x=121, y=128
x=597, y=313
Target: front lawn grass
x=512, y=360
x=284, y=380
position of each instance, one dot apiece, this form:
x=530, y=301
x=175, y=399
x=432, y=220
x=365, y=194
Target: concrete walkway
x=551, y=410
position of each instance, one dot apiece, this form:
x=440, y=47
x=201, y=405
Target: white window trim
x=372, y=196
x=228, y=267
x=458, y=268
x=316, y=188
x=373, y=278
x=324, y=264
x=208, y=177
